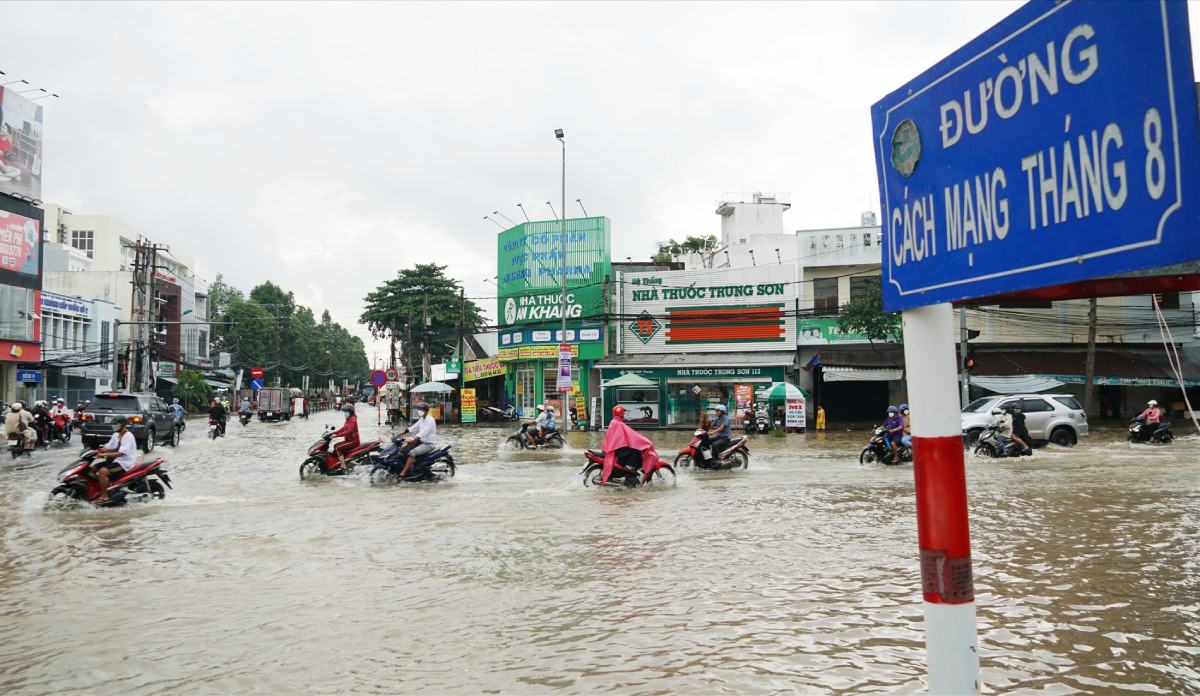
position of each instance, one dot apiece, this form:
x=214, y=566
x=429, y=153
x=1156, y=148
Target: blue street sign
x=257, y=384
x=379, y=378
x=29, y=376
x=1060, y=145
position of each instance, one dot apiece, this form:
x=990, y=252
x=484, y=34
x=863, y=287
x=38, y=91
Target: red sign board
x=256, y=372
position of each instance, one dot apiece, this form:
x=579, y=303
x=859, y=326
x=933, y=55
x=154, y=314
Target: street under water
x=799, y=574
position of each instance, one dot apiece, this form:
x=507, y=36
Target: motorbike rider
x=18, y=423
x=1020, y=433
x=547, y=424
x=244, y=409
x=41, y=422
x=117, y=456
x=1003, y=423
x=217, y=413
x=893, y=429
x=1152, y=414
x=80, y=409
x=532, y=429
x=906, y=435
x=421, y=436
x=176, y=409
x=627, y=449
x=717, y=437
x=61, y=415
x=349, y=434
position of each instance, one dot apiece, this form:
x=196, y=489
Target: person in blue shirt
x=718, y=436
x=176, y=410
x=893, y=430
x=546, y=424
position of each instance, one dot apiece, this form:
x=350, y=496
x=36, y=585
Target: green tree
x=397, y=309
x=191, y=387
x=220, y=296
x=865, y=316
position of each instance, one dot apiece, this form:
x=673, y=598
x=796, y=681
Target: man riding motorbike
x=716, y=438
x=118, y=455
x=894, y=429
x=60, y=415
x=216, y=412
x=18, y=424
x=1020, y=433
x=532, y=429
x=349, y=434
x=421, y=436
x=42, y=422
x=1004, y=425
x=626, y=449
x=548, y=424
x=176, y=409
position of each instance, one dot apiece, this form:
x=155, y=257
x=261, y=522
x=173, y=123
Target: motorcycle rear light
x=87, y=417
x=136, y=419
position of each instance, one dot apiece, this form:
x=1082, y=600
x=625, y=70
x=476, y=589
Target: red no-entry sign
x=256, y=372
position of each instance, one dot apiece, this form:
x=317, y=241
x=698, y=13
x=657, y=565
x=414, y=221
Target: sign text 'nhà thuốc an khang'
x=1060, y=145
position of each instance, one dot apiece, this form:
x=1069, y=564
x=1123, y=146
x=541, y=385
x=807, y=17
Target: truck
x=273, y=404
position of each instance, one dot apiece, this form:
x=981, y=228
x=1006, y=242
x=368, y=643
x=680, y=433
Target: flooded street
x=797, y=575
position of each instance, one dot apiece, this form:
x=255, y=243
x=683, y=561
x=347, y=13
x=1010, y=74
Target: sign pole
x=941, y=488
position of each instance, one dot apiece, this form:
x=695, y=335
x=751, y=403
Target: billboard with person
x=19, y=243
x=20, y=145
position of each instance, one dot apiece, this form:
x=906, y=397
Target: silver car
x=1056, y=418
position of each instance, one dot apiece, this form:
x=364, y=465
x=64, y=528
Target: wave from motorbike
x=989, y=444
x=77, y=483
x=1141, y=431
x=526, y=439
x=435, y=466
x=321, y=459
x=663, y=473
x=877, y=450
x=736, y=455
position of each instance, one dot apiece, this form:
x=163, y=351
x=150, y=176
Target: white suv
x=1056, y=418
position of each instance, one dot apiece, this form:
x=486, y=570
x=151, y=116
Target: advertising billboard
x=530, y=267
x=19, y=243
x=20, y=145
x=709, y=310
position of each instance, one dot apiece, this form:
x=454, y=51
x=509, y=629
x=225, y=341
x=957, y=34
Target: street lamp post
x=562, y=271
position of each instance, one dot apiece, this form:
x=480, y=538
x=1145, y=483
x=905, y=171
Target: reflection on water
x=797, y=575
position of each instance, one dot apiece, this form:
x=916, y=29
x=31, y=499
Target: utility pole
x=1089, y=365
x=962, y=360
x=462, y=356
x=425, y=367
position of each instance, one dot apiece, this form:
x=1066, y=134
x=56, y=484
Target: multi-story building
x=76, y=346
x=20, y=291
x=94, y=257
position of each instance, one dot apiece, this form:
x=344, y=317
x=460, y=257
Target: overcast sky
x=326, y=146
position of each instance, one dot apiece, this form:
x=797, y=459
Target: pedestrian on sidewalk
x=820, y=418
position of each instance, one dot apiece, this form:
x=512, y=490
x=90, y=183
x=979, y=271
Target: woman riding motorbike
x=627, y=448
x=349, y=433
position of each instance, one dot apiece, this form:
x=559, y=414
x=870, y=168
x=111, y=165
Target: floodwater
x=798, y=575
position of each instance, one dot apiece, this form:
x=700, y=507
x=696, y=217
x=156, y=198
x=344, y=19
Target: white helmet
x=17, y=406
x=540, y=407
x=550, y=410
x=1151, y=402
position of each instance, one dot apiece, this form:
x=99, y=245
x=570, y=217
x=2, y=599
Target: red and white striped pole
x=941, y=486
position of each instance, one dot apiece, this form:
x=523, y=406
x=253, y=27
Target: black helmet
x=120, y=420
x=1007, y=408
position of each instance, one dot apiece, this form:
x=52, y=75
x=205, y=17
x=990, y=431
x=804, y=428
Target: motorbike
x=521, y=440
x=321, y=458
x=1141, y=431
x=77, y=484
x=748, y=424
x=593, y=472
x=989, y=445
x=877, y=450
x=734, y=456
x=244, y=418
x=215, y=429
x=435, y=466
x=61, y=429
x=18, y=448
x=762, y=422
x=494, y=413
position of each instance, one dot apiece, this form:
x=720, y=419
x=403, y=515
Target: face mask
x=420, y=414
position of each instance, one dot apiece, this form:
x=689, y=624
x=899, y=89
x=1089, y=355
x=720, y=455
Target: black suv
x=150, y=420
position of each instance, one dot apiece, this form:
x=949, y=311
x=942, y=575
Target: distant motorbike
x=990, y=445
x=245, y=417
x=18, y=447
x=1141, y=431
x=215, y=428
x=593, y=472
x=321, y=459
x=77, y=483
x=762, y=422
x=493, y=413
x=877, y=450
x=523, y=439
x=61, y=429
x=735, y=456
x=436, y=466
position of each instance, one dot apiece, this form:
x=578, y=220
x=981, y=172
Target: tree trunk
x=1089, y=366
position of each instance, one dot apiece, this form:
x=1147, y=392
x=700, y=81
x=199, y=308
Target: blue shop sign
x=29, y=376
x=533, y=337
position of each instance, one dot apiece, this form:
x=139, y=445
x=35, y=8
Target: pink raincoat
x=621, y=435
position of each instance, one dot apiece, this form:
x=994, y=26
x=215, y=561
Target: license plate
x=707, y=453
x=270, y=413
x=12, y=443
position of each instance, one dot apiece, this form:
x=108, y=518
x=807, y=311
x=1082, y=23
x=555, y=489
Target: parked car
x=1056, y=418
x=150, y=420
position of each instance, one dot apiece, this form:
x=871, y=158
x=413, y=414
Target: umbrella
x=432, y=388
x=629, y=380
x=783, y=390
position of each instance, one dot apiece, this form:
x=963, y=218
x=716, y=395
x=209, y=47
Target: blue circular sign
x=378, y=378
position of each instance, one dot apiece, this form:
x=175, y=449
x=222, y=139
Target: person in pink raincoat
x=624, y=445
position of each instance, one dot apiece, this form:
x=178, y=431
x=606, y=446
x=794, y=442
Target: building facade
x=21, y=274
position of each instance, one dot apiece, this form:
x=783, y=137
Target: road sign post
x=1060, y=146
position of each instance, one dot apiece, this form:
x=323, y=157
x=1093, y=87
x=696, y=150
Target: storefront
x=20, y=301
x=530, y=307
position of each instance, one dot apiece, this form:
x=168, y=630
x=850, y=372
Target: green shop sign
x=531, y=265
x=824, y=330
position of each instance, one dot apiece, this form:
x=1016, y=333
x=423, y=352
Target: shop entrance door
x=526, y=391
x=685, y=406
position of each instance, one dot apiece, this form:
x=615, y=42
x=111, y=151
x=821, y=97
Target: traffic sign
x=1058, y=146
x=392, y=375
x=257, y=383
x=256, y=372
x=378, y=378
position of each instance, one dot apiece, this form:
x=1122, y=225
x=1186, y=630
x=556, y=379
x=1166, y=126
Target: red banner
x=19, y=238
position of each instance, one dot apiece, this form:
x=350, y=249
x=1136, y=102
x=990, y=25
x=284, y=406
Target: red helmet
x=619, y=412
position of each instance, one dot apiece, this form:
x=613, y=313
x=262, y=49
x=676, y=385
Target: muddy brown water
x=798, y=574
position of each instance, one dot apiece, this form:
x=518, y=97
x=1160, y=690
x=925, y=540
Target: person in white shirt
x=421, y=436
x=119, y=455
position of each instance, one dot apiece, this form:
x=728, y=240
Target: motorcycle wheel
x=442, y=469
x=867, y=456
x=985, y=450
x=906, y=456
x=683, y=461
x=174, y=437
x=310, y=467
x=1166, y=438
x=65, y=495
x=664, y=476
x=739, y=460
x=555, y=441
x=156, y=489
x=382, y=476
x=592, y=475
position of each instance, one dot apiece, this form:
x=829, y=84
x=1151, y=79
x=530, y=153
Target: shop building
x=76, y=346
x=21, y=373
x=701, y=338
x=530, y=266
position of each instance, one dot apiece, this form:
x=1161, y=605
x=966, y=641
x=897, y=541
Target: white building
x=76, y=346
x=92, y=257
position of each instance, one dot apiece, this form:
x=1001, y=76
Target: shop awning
x=660, y=360
x=859, y=374
x=629, y=380
x=1016, y=384
x=1127, y=366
